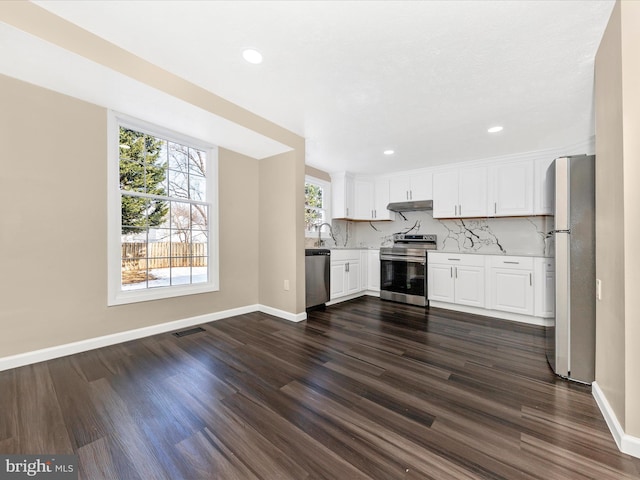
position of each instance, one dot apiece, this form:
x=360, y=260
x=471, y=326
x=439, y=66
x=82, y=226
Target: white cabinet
x=511, y=284
x=371, y=198
x=545, y=287
x=345, y=273
x=460, y=193
x=373, y=270
x=363, y=199
x=456, y=278
x=416, y=186
x=356, y=198
x=511, y=189
x=543, y=193
x=342, y=195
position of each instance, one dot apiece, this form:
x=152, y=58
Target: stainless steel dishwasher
x=317, y=276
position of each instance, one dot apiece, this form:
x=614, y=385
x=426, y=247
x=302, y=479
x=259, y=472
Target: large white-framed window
x=317, y=206
x=162, y=213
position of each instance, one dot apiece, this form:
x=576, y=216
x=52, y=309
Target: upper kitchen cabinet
x=342, y=195
x=460, y=193
x=371, y=198
x=511, y=189
x=543, y=193
x=358, y=198
x=411, y=187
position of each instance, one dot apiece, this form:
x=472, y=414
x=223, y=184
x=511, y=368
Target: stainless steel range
x=403, y=268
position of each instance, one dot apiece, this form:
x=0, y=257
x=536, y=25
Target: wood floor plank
x=365, y=389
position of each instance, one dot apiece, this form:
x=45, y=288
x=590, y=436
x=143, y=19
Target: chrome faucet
x=320, y=241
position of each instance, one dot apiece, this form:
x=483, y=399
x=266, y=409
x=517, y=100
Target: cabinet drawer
x=520, y=263
x=345, y=254
x=456, y=259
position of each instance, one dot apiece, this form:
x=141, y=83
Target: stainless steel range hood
x=411, y=206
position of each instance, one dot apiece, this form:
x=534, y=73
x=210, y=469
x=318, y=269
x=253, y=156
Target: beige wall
x=618, y=214
x=314, y=172
x=282, y=232
x=53, y=235
x=53, y=230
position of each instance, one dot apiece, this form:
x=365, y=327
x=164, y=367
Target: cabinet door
x=440, y=283
x=341, y=196
x=469, y=285
x=543, y=194
x=399, y=188
x=472, y=192
x=445, y=194
x=512, y=290
x=421, y=187
x=381, y=200
x=338, y=284
x=353, y=277
x=373, y=282
x=362, y=200
x=512, y=189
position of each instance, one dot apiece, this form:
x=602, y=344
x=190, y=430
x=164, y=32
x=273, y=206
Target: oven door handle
x=420, y=260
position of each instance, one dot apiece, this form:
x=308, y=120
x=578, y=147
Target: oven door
x=403, y=278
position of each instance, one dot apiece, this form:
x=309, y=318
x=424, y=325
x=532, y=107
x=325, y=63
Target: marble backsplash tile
x=505, y=235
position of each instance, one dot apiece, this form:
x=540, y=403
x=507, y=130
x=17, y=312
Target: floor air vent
x=191, y=331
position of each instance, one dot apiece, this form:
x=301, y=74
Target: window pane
x=199, y=270
x=198, y=243
x=199, y=215
x=197, y=162
x=180, y=271
x=180, y=221
x=313, y=217
x=197, y=188
x=178, y=184
x=313, y=195
x=134, y=271
x=178, y=157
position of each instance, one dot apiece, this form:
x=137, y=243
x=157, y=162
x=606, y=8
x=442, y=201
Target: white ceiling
x=425, y=78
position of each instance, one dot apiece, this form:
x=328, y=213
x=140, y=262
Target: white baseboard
x=27, y=358
x=515, y=317
x=292, y=317
x=626, y=443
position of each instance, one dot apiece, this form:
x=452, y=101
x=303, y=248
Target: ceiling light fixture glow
x=495, y=129
x=389, y=152
x=252, y=56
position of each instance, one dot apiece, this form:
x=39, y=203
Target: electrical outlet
x=598, y=289
x=286, y=285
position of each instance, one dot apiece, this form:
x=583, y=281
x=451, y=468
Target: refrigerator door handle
x=559, y=231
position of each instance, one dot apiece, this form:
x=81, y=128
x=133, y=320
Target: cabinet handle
x=531, y=280
x=514, y=263
x=454, y=259
x=451, y=271
x=456, y=272
x=347, y=211
x=346, y=267
x=407, y=194
x=495, y=207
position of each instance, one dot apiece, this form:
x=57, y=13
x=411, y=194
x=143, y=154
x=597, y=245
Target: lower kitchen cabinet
x=345, y=273
x=511, y=287
x=373, y=270
x=456, y=278
x=512, y=284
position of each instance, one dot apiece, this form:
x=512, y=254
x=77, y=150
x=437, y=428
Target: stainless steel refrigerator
x=571, y=341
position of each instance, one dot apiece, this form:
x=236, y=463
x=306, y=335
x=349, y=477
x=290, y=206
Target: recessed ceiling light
x=389, y=152
x=495, y=129
x=252, y=56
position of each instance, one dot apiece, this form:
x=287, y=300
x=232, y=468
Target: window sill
x=159, y=293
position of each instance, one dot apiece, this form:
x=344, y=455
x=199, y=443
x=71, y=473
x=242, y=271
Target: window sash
x=117, y=295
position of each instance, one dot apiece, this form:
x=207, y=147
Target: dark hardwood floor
x=365, y=389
